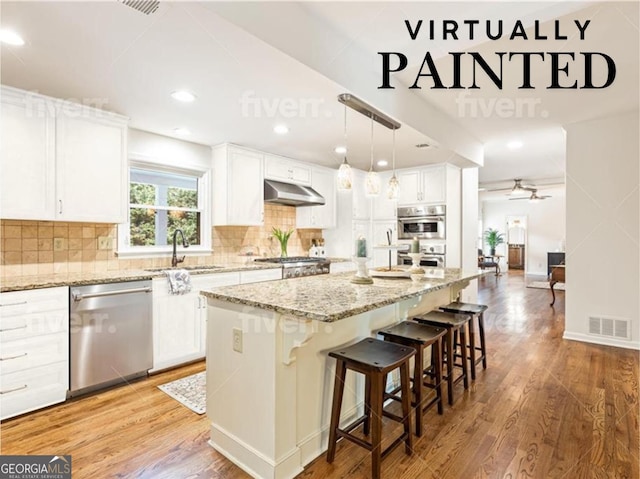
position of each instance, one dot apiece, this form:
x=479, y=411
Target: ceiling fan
x=534, y=198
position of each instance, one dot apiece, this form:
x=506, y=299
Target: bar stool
x=375, y=359
x=420, y=337
x=475, y=311
x=455, y=325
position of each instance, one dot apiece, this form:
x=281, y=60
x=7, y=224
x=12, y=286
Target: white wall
x=470, y=229
x=603, y=209
x=168, y=151
x=545, y=227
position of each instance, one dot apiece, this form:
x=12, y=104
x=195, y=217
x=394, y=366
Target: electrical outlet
x=237, y=340
x=60, y=244
x=105, y=242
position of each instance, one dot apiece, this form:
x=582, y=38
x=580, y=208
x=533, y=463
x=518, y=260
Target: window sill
x=163, y=252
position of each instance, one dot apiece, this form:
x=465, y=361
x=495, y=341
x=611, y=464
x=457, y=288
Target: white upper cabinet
x=384, y=208
x=323, y=180
x=361, y=203
x=282, y=169
x=27, y=159
x=238, y=186
x=424, y=185
x=61, y=161
x=91, y=170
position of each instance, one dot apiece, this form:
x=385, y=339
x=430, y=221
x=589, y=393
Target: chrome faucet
x=174, y=258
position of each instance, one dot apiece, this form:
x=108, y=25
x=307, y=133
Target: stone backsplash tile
x=44, y=247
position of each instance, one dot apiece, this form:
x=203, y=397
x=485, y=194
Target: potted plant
x=493, y=238
x=283, y=238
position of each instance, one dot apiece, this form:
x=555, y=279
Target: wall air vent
x=143, y=6
x=609, y=327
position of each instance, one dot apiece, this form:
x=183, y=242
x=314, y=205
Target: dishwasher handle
x=77, y=296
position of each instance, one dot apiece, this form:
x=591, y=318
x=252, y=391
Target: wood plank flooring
x=545, y=408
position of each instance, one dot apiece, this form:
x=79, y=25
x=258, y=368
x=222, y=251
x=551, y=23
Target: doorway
x=516, y=242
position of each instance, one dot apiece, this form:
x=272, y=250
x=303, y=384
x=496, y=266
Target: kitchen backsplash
x=44, y=247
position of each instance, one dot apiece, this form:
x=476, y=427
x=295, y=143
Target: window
x=160, y=202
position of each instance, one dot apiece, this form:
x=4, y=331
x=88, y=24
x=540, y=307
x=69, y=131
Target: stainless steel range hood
x=290, y=194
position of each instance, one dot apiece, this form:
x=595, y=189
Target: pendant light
x=372, y=185
x=394, y=184
x=344, y=172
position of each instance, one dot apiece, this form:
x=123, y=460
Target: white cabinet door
x=379, y=235
x=323, y=217
x=410, y=187
x=91, y=170
x=27, y=160
x=283, y=169
x=238, y=187
x=177, y=326
x=384, y=208
x=433, y=184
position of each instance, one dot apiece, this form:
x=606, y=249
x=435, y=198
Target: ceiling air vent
x=609, y=327
x=144, y=6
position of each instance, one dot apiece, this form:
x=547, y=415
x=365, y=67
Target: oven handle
x=404, y=219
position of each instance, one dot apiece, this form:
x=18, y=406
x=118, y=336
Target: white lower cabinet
x=179, y=321
x=34, y=349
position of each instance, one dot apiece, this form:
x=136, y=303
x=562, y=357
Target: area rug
x=545, y=285
x=190, y=391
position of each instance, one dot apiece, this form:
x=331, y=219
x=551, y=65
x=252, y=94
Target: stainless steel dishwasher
x=110, y=334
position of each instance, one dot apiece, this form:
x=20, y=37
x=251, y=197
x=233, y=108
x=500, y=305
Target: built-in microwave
x=422, y=222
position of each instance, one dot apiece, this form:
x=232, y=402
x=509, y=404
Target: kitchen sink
x=188, y=268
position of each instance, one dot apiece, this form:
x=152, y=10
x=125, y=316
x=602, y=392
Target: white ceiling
x=108, y=52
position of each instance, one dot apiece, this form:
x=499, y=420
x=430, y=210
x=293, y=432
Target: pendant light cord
x=371, y=166
x=394, y=152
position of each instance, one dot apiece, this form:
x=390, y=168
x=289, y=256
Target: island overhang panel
x=270, y=404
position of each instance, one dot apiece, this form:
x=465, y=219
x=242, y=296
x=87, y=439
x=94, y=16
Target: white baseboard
x=587, y=338
x=252, y=461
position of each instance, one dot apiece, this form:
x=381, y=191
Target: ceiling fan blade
x=519, y=198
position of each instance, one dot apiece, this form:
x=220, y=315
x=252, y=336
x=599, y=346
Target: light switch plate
x=237, y=340
x=60, y=244
x=105, y=242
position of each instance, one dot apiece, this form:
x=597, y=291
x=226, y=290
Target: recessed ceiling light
x=181, y=131
x=183, y=95
x=11, y=38
x=382, y=163
x=341, y=150
x=514, y=145
x=281, y=129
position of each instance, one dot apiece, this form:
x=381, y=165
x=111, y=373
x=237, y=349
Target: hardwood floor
x=544, y=408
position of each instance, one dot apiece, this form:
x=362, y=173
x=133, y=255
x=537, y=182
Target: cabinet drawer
x=260, y=275
x=25, y=391
x=17, y=303
x=33, y=352
x=35, y=324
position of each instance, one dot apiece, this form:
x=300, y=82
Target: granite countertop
x=331, y=297
x=19, y=283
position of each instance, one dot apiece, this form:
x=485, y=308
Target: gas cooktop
x=292, y=259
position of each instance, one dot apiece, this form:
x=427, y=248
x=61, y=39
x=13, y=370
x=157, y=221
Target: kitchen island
x=269, y=379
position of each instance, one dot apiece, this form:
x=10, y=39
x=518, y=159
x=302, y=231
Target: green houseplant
x=283, y=238
x=493, y=238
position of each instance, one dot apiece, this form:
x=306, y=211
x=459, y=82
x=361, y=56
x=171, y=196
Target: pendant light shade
x=372, y=183
x=394, y=184
x=345, y=174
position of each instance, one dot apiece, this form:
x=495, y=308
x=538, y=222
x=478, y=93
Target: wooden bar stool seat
x=420, y=337
x=455, y=324
x=475, y=311
x=374, y=359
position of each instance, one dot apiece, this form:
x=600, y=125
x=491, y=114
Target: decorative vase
x=415, y=263
x=492, y=251
x=283, y=250
x=362, y=273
